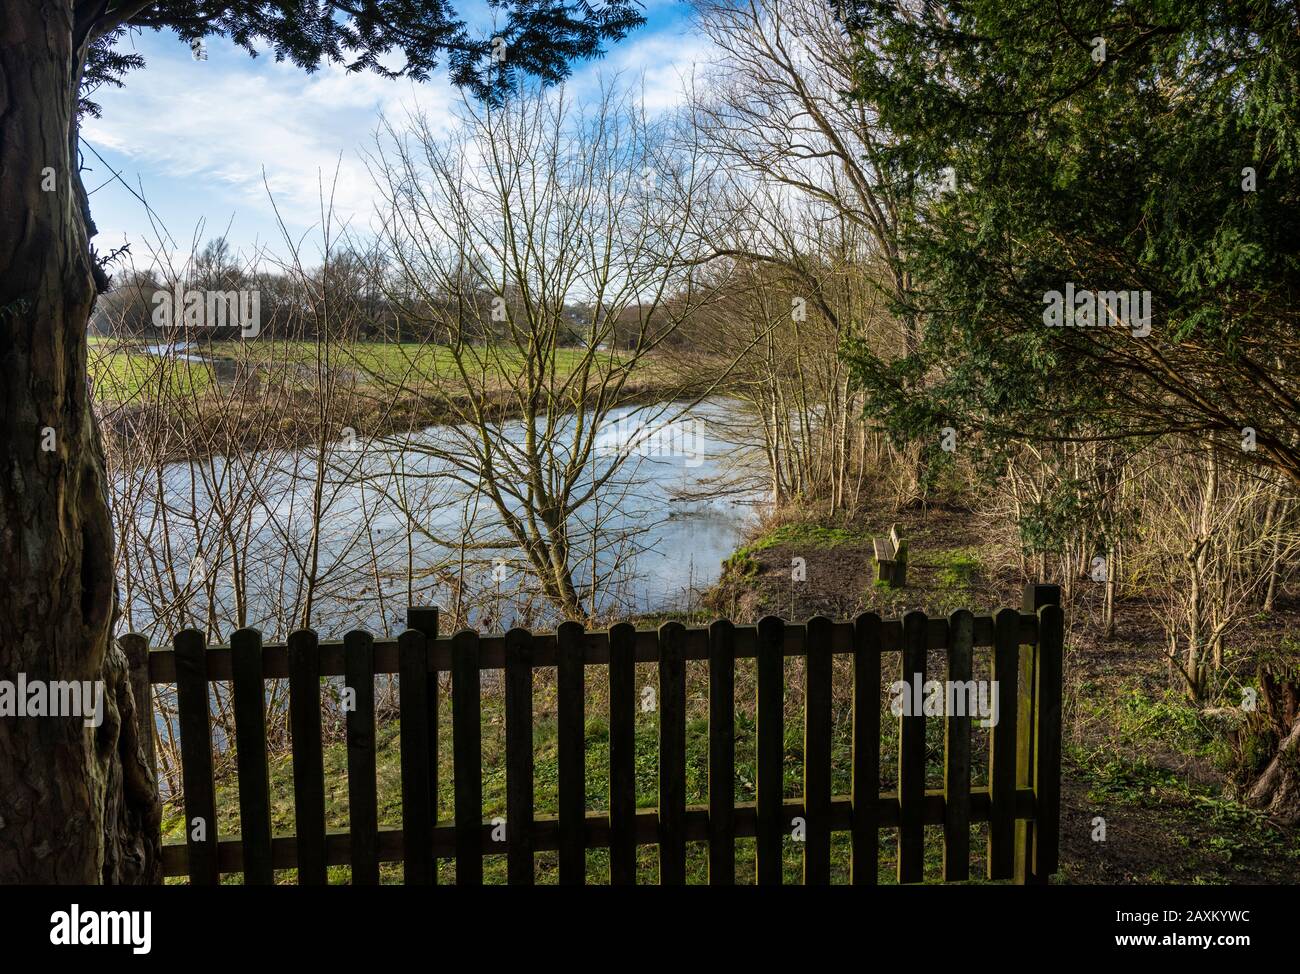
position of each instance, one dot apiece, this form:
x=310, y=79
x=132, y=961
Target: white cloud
x=219, y=127
x=229, y=125
x=662, y=62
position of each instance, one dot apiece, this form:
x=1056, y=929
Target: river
x=391, y=521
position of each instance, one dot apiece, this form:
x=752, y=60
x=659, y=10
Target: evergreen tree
x=1083, y=147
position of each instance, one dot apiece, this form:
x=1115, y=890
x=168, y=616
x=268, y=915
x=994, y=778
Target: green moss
x=796, y=534
x=741, y=565
x=956, y=567
x=806, y=534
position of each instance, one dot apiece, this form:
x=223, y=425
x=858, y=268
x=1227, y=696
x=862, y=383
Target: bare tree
x=773, y=106
x=548, y=250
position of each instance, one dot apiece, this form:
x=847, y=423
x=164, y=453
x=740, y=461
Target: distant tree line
x=377, y=306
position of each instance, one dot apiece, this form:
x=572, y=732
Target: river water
x=392, y=521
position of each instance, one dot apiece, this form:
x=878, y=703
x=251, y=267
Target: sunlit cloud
x=220, y=139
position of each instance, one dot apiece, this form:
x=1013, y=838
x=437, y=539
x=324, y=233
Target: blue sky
x=202, y=141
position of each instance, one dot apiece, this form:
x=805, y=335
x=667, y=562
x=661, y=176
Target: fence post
x=419, y=815
x=136, y=648
x=1047, y=764
x=1035, y=596
x=423, y=619
x=197, y=785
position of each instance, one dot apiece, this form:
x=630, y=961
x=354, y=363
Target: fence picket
x=1002, y=748
x=519, y=757
x=425, y=619
x=911, y=752
x=722, y=753
x=817, y=754
x=417, y=763
x=672, y=754
x=1047, y=724
x=622, y=754
x=956, y=764
x=866, y=750
x=308, y=758
x=571, y=741
x=363, y=798
x=467, y=757
x=771, y=750
x=250, y=746
x=196, y=757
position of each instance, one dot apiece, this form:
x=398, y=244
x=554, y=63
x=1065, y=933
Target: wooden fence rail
x=1021, y=803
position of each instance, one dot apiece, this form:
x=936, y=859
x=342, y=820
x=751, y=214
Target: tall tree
x=1108, y=247
x=492, y=228
x=78, y=805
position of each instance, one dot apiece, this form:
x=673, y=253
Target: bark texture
x=1276, y=791
x=77, y=804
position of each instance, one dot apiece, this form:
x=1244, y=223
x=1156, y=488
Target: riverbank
x=228, y=397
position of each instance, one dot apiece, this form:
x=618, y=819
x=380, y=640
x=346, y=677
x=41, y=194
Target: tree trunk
x=79, y=804
x=1108, y=609
x=1276, y=791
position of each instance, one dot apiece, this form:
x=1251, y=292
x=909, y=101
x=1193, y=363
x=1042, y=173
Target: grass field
x=123, y=372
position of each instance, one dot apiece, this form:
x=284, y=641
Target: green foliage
x=541, y=37
x=1137, y=720
x=1118, y=173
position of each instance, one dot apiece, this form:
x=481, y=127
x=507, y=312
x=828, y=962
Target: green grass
x=123, y=374
x=797, y=534
x=546, y=785
x=1136, y=719
x=1196, y=816
x=393, y=361
x=805, y=533
x=956, y=567
x=945, y=577
x=1141, y=771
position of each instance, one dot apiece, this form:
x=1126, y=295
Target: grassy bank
x=275, y=400
x=123, y=372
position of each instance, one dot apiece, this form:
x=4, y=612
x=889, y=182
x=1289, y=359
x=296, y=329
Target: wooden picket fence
x=1021, y=804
